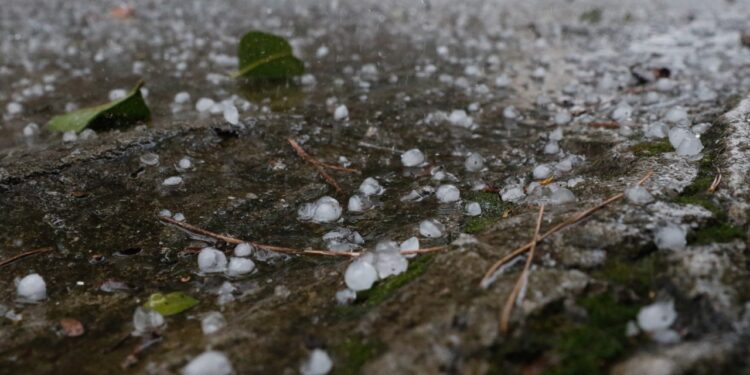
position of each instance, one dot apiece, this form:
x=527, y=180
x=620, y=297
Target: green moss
x=588, y=347
x=354, y=353
x=493, y=209
x=636, y=275
x=651, y=148
x=592, y=16
x=717, y=232
x=384, y=289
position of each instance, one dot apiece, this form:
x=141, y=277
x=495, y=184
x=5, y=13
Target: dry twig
x=320, y=166
x=715, y=184
x=24, y=255
x=572, y=220
x=605, y=124
x=523, y=278
x=279, y=249
x=237, y=241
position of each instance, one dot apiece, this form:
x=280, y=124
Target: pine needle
x=522, y=279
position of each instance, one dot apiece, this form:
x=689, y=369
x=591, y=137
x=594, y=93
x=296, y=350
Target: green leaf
x=120, y=112
x=171, y=303
x=263, y=55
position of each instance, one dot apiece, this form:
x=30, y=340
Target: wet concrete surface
x=96, y=203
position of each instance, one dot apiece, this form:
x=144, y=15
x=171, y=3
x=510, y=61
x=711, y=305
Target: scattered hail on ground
x=341, y=221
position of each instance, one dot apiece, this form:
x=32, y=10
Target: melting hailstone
x=670, y=237
x=430, y=228
x=213, y=322
x=319, y=363
x=340, y=113
x=638, y=195
x=146, y=321
x=474, y=162
x=361, y=274
x=448, y=193
x=324, y=210
x=388, y=259
x=212, y=260
x=657, y=316
x=473, y=209
x=32, y=288
x=209, y=363
x=412, y=158
x=240, y=266
x=244, y=249
x=371, y=186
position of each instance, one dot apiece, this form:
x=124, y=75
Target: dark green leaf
x=263, y=55
x=120, y=112
x=171, y=303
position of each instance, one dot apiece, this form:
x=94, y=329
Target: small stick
x=425, y=250
x=574, y=219
x=605, y=124
x=280, y=249
x=715, y=184
x=237, y=241
x=522, y=279
x=378, y=147
x=26, y=254
x=320, y=167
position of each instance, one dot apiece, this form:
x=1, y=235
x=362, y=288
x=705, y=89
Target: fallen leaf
x=263, y=55
x=117, y=113
x=71, y=327
x=171, y=303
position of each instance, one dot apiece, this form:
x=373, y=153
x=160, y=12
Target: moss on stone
x=651, y=148
x=581, y=347
x=354, y=353
x=383, y=289
x=493, y=209
x=720, y=232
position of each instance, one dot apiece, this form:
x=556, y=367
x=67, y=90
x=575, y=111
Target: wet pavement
x=578, y=87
